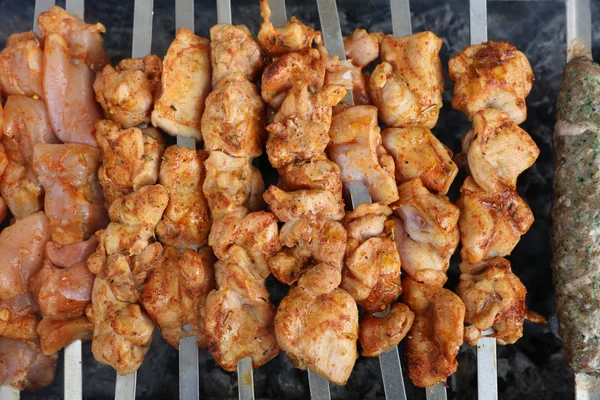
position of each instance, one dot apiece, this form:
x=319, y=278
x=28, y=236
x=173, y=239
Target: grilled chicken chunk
x=436, y=334
x=231, y=182
x=74, y=201
x=24, y=366
x=491, y=75
x=372, y=269
x=22, y=248
x=317, y=324
x=494, y=298
x=175, y=293
x=292, y=37
x=356, y=147
x=57, y=333
x=131, y=158
x=426, y=232
x=185, y=83
x=126, y=93
x=233, y=49
x=186, y=220
x=317, y=173
x=319, y=203
x=380, y=334
x=300, y=128
x=497, y=150
x=491, y=224
x=20, y=325
x=419, y=154
x=362, y=48
x=307, y=241
x=407, y=86
x=293, y=69
x=21, y=65
x=234, y=117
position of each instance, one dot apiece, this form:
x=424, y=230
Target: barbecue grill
x=158, y=377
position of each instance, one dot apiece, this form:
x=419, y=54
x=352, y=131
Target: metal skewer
x=141, y=45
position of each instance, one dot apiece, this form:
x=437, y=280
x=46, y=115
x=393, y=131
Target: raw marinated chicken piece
x=130, y=161
x=126, y=93
x=419, y=154
x=372, y=269
x=175, y=293
x=299, y=130
x=21, y=65
x=19, y=326
x=125, y=256
x=84, y=41
x=73, y=201
x=231, y=182
x=356, y=147
x=72, y=105
x=292, y=37
x=22, y=248
x=350, y=77
x=57, y=333
x=312, y=174
x=67, y=255
x=407, y=86
x=186, y=220
x=319, y=203
x=362, y=48
x=380, y=334
x=239, y=317
x=185, y=83
x=494, y=298
x=293, y=69
x=233, y=49
x=491, y=75
x=26, y=122
x=491, y=224
x=234, y=117
x=307, y=241
x=19, y=184
x=436, y=334
x=426, y=232
x=257, y=233
x=23, y=366
x=498, y=151
x=317, y=325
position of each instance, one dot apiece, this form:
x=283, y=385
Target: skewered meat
x=299, y=130
x=293, y=69
x=131, y=158
x=319, y=203
x=72, y=105
x=126, y=93
x=73, y=201
x=491, y=224
x=494, y=297
x=419, y=154
x=233, y=49
x=125, y=255
x=308, y=241
x=186, y=220
x=19, y=326
x=356, y=147
x=436, y=334
x=21, y=65
x=317, y=324
x=292, y=37
x=372, y=270
x=22, y=247
x=426, y=232
x=185, y=83
x=234, y=117
x=380, y=334
x=362, y=48
x=491, y=75
x=407, y=86
x=23, y=366
x=575, y=214
x=69, y=254
x=239, y=317
x=84, y=41
x=231, y=182
x=57, y=333
x=317, y=173
x=175, y=293
x=498, y=150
